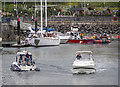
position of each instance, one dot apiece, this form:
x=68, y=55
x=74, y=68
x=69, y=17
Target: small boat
x=74, y=37
x=24, y=62
x=102, y=41
x=84, y=63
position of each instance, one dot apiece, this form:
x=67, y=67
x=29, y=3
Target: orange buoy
x=109, y=41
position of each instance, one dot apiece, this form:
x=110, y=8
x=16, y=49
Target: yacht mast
x=35, y=8
x=46, y=13
x=41, y=19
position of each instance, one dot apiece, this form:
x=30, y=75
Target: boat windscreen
x=85, y=56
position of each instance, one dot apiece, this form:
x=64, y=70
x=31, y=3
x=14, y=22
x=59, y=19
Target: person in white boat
x=27, y=59
x=79, y=56
x=20, y=60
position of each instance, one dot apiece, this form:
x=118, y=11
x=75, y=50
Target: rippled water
x=56, y=64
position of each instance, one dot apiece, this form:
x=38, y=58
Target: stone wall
x=9, y=33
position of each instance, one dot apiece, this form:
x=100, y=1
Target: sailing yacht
x=41, y=38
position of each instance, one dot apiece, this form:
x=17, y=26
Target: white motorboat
x=24, y=62
x=84, y=63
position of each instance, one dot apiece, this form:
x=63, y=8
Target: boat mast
x=46, y=13
x=35, y=8
x=41, y=19
x=16, y=9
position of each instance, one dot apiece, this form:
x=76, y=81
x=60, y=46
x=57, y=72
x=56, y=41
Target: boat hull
x=102, y=41
x=82, y=41
x=83, y=71
x=44, y=42
x=16, y=67
x=63, y=41
x=80, y=66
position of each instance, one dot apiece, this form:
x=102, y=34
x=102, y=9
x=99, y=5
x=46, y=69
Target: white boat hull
x=44, y=41
x=16, y=67
x=83, y=71
x=83, y=66
x=63, y=41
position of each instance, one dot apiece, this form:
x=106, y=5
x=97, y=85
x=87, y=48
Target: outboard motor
x=33, y=61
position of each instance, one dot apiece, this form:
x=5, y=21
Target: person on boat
x=71, y=34
x=20, y=60
x=81, y=35
x=79, y=56
x=27, y=58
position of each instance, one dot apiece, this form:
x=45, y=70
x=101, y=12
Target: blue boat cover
x=48, y=29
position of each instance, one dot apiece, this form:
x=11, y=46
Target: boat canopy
x=84, y=52
x=49, y=29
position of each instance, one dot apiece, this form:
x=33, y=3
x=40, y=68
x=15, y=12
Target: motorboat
x=102, y=39
x=74, y=37
x=84, y=63
x=24, y=62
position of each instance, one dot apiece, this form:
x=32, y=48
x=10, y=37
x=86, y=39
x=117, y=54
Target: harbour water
x=55, y=64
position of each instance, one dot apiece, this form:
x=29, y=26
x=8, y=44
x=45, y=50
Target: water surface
x=56, y=64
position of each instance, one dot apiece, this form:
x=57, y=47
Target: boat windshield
x=24, y=59
x=85, y=56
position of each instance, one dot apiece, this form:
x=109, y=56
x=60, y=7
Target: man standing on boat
x=27, y=58
x=81, y=35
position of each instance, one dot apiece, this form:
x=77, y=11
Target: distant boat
x=84, y=63
x=73, y=36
